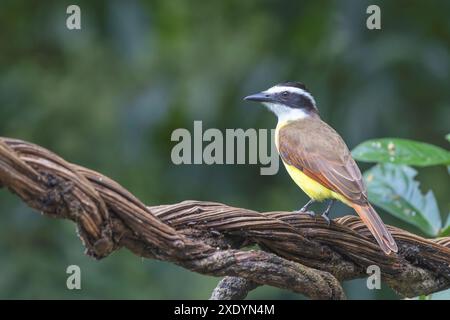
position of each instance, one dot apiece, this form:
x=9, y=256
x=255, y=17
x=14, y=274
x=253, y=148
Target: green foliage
x=391, y=184
x=445, y=232
x=448, y=139
x=401, y=151
x=393, y=188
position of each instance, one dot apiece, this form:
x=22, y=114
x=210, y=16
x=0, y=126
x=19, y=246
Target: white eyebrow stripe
x=278, y=89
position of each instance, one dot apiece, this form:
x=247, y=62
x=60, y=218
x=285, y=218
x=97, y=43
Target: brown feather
x=373, y=221
x=316, y=149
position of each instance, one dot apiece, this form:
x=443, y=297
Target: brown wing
x=317, y=149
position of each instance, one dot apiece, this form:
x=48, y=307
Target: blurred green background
x=109, y=96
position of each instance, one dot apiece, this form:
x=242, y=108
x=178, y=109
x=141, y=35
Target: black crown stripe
x=294, y=84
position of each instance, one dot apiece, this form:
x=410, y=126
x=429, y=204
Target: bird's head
x=288, y=100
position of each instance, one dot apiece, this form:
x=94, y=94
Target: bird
x=317, y=158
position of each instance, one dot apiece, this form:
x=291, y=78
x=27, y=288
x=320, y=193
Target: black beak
x=259, y=97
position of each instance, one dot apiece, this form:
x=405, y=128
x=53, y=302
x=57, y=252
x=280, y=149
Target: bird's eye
x=285, y=93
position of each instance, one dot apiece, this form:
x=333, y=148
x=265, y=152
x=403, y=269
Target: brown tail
x=373, y=221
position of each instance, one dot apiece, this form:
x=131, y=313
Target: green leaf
x=445, y=232
x=401, y=151
x=393, y=188
x=448, y=139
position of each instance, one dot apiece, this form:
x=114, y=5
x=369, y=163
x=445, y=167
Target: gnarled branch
x=233, y=288
x=299, y=253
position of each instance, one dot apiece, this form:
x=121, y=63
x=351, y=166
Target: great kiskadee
x=317, y=158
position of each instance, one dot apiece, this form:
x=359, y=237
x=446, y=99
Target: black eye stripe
x=296, y=100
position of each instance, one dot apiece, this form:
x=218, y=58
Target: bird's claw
x=310, y=213
x=325, y=217
x=303, y=211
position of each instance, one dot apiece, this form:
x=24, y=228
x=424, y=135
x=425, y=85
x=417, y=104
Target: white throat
x=285, y=113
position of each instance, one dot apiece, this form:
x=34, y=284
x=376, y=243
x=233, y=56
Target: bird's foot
x=304, y=211
x=326, y=218
x=327, y=211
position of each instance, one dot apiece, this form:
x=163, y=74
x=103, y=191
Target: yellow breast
x=312, y=188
